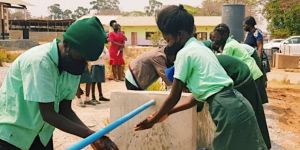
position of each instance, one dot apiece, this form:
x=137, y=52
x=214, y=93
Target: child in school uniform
x=85, y=78
x=198, y=69
x=98, y=76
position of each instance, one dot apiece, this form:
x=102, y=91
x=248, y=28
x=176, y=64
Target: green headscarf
x=87, y=37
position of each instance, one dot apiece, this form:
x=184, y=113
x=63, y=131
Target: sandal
x=101, y=98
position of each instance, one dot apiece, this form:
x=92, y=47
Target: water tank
x=233, y=15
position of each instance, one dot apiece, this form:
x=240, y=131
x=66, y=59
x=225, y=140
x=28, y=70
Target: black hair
x=223, y=29
x=250, y=21
x=112, y=22
x=173, y=19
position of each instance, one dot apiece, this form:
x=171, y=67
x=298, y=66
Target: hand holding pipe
x=97, y=135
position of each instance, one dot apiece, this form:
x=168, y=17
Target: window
x=201, y=36
x=296, y=40
x=148, y=35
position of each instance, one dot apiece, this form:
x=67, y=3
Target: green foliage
x=67, y=14
x=134, y=13
x=18, y=14
x=105, y=7
x=157, y=39
x=283, y=17
x=192, y=10
x=55, y=11
x=80, y=11
x=153, y=7
x=7, y=57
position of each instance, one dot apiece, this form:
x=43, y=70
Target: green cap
x=87, y=37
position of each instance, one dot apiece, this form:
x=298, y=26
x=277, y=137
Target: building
x=138, y=30
x=4, y=6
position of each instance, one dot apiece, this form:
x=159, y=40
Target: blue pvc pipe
x=90, y=139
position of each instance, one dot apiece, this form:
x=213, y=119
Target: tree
x=193, y=10
x=283, y=17
x=214, y=7
x=134, y=13
x=79, y=12
x=67, y=14
x=18, y=14
x=106, y=7
x=153, y=7
x=55, y=11
x=211, y=8
x=157, y=39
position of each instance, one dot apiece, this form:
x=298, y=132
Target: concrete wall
x=141, y=33
x=35, y=36
x=178, y=132
x=18, y=44
x=282, y=61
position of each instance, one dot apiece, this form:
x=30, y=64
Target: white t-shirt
x=249, y=48
x=100, y=60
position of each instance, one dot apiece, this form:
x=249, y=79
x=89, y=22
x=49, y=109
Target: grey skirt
x=98, y=73
x=86, y=76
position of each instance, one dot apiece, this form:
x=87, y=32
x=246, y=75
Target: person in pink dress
x=117, y=40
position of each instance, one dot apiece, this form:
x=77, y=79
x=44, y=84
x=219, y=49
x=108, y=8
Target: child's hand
x=146, y=124
x=104, y=143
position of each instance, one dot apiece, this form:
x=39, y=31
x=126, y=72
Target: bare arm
x=65, y=109
x=170, y=102
x=71, y=125
x=259, y=48
x=117, y=43
x=191, y=102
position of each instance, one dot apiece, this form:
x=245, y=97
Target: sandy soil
x=282, y=112
x=283, y=115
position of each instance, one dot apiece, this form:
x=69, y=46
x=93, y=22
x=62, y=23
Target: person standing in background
x=255, y=38
x=98, y=76
x=117, y=40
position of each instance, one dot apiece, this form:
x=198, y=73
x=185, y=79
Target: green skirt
x=249, y=90
x=261, y=82
x=236, y=125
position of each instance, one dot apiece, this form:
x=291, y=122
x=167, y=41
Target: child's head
x=116, y=27
x=176, y=25
x=249, y=23
x=112, y=22
x=220, y=35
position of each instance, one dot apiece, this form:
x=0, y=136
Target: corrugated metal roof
x=150, y=20
x=16, y=2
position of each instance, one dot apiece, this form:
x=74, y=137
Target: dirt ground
x=283, y=115
x=282, y=111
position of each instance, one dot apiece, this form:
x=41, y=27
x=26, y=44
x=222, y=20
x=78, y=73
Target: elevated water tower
x=233, y=15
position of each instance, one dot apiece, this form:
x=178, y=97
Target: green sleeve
x=182, y=67
x=38, y=81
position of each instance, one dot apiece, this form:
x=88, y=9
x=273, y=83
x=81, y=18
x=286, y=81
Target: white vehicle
x=273, y=44
x=290, y=46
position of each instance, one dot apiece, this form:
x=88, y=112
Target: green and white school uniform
x=199, y=69
x=235, y=49
x=244, y=83
x=33, y=78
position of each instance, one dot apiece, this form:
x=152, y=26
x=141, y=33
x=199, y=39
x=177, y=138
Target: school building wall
x=140, y=33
